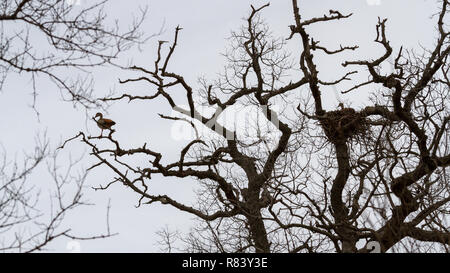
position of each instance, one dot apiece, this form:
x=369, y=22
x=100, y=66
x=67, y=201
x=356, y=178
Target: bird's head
x=98, y=115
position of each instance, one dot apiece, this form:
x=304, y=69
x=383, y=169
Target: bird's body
x=104, y=123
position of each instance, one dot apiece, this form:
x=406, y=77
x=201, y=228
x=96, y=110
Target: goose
x=104, y=123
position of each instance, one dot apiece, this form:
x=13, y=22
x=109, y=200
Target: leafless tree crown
x=61, y=41
x=322, y=180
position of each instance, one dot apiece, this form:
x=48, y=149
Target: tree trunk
x=258, y=232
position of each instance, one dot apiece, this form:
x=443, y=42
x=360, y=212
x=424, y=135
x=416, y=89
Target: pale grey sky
x=205, y=25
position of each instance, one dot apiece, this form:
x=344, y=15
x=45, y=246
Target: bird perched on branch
x=104, y=123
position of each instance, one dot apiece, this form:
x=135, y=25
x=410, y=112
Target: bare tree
x=62, y=42
x=31, y=218
x=309, y=179
x=50, y=38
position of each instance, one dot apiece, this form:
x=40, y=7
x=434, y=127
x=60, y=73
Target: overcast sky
x=206, y=25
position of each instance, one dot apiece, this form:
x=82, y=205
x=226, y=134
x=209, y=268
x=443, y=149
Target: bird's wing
x=109, y=122
x=106, y=122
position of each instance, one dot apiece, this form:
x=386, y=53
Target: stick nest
x=344, y=124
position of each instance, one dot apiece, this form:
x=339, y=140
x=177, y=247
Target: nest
x=344, y=124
